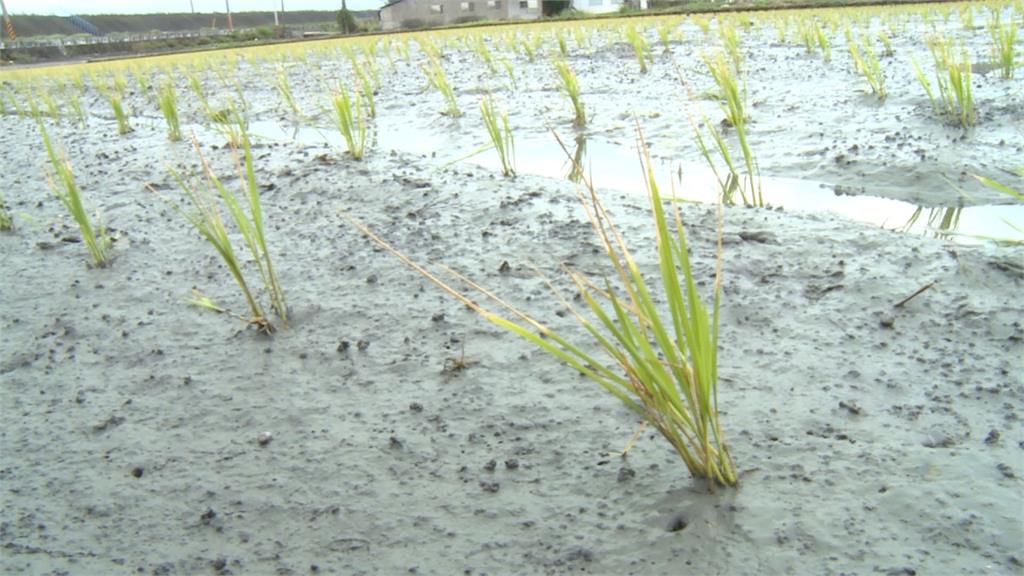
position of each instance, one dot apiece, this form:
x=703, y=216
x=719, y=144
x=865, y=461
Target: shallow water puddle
x=616, y=166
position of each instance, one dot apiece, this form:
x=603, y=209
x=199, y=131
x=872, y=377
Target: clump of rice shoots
x=664, y=365
x=500, y=133
x=478, y=44
x=725, y=76
x=284, y=87
x=955, y=100
x=866, y=62
x=62, y=181
x=167, y=99
x=115, y=96
x=531, y=45
x=1004, y=39
x=206, y=218
x=368, y=90
x=571, y=87
x=438, y=79
x=72, y=94
x=350, y=120
x=52, y=107
x=665, y=29
x=6, y=221
x=510, y=71
x=636, y=39
x=731, y=45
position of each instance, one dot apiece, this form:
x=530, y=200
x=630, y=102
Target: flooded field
x=871, y=342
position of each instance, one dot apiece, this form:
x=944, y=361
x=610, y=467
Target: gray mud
x=871, y=439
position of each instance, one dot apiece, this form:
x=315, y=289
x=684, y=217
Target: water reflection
x=942, y=222
x=578, y=155
x=615, y=165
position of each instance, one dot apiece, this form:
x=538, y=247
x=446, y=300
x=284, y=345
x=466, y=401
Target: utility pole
x=8, y=26
x=192, y=6
x=227, y=7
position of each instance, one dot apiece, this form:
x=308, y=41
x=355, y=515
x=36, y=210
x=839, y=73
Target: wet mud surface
x=391, y=431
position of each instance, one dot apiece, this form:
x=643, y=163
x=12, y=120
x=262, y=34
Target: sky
x=68, y=7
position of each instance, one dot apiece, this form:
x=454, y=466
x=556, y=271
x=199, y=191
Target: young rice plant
x=351, y=122
x=501, y=135
x=571, y=88
x=665, y=365
x=6, y=221
x=62, y=181
x=953, y=78
x=206, y=219
x=168, y=100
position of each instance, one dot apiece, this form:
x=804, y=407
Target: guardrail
x=109, y=39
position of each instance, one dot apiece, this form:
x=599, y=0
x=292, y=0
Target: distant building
x=606, y=6
x=421, y=13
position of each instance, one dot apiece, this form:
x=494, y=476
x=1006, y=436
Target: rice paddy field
x=205, y=367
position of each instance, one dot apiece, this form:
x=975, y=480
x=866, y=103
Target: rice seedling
x=781, y=24
x=6, y=221
x=731, y=182
x=350, y=120
x=207, y=220
x=74, y=101
x=25, y=103
x=886, y=40
x=808, y=37
x=733, y=108
x=369, y=48
x=115, y=94
x=401, y=48
x=500, y=134
x=866, y=62
x=62, y=181
x=143, y=81
x=479, y=47
x=636, y=39
x=579, y=35
x=239, y=101
x=167, y=99
x=1004, y=37
x=570, y=86
x=563, y=46
x=531, y=46
x=702, y=22
x=665, y=364
x=953, y=78
x=510, y=71
x=731, y=44
x=823, y=42
x=664, y=29
x=78, y=81
x=368, y=90
x=368, y=68
x=284, y=88
x=967, y=17
x=431, y=50
x=197, y=88
x=439, y=80
x=52, y=107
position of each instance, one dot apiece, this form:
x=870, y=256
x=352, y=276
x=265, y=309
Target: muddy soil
x=389, y=430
